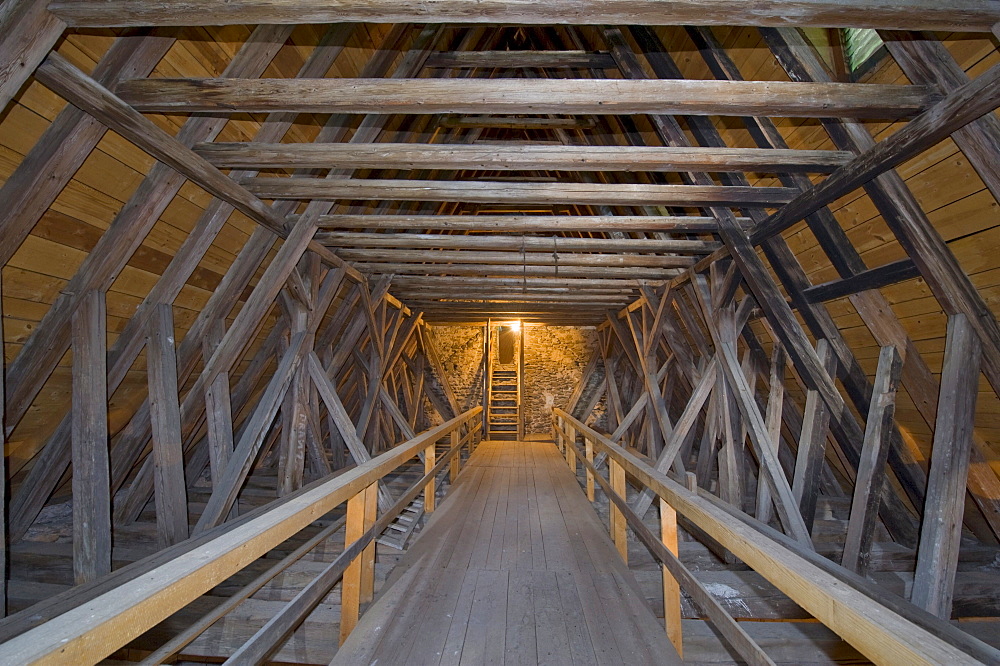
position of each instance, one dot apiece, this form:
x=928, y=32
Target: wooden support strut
x=876, y=630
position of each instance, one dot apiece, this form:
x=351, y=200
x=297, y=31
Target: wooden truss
x=720, y=363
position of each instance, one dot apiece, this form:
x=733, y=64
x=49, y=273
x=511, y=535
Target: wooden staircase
x=504, y=408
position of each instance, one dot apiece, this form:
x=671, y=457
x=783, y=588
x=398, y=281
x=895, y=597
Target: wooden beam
x=516, y=123
x=225, y=492
x=541, y=223
x=82, y=91
x=871, y=470
x=550, y=244
x=103, y=623
x=958, y=109
x=514, y=158
x=170, y=491
x=414, y=282
x=47, y=344
x=64, y=146
x=874, y=278
x=27, y=33
x=876, y=630
x=507, y=192
x=941, y=530
x=91, y=485
x=811, y=453
x=501, y=258
x=954, y=15
x=521, y=60
x=523, y=271
x=533, y=96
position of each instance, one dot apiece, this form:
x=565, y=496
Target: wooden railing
x=114, y=615
x=886, y=629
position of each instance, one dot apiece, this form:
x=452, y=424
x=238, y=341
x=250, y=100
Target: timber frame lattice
x=303, y=209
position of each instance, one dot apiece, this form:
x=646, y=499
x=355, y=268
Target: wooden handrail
x=95, y=629
x=880, y=633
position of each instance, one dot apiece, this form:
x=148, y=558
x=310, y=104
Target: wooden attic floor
x=40, y=569
x=514, y=568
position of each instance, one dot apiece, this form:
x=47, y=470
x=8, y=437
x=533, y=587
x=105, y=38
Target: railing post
x=570, y=443
x=359, y=578
x=456, y=459
x=589, y=449
x=671, y=589
x=429, y=462
x=616, y=518
x=557, y=427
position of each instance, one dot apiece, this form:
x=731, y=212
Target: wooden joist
x=874, y=278
x=551, y=244
x=517, y=123
x=961, y=15
x=523, y=193
x=521, y=60
x=533, y=96
x=540, y=223
x=412, y=282
x=524, y=259
x=520, y=157
x=518, y=270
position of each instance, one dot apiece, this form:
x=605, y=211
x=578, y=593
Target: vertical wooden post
x=560, y=436
x=218, y=410
x=168, y=455
x=589, y=447
x=570, y=451
x=941, y=531
x=617, y=519
x=871, y=468
x=355, y=578
x=429, y=457
x=671, y=589
x=456, y=459
x=91, y=471
x=368, y=554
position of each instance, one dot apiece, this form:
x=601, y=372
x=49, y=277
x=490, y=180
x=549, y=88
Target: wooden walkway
x=515, y=567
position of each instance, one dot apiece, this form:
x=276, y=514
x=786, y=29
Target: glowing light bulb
x=515, y=325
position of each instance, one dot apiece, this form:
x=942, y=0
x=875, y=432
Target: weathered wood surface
x=557, y=244
x=514, y=192
x=561, y=158
x=91, y=493
x=27, y=31
x=522, y=59
x=872, y=627
x=535, y=96
x=514, y=566
x=962, y=15
x=548, y=223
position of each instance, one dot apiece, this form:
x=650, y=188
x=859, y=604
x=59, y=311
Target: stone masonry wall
x=554, y=361
x=461, y=352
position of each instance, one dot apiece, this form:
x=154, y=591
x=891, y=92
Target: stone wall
x=554, y=361
x=461, y=352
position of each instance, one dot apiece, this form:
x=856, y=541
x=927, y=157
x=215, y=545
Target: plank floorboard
x=514, y=568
